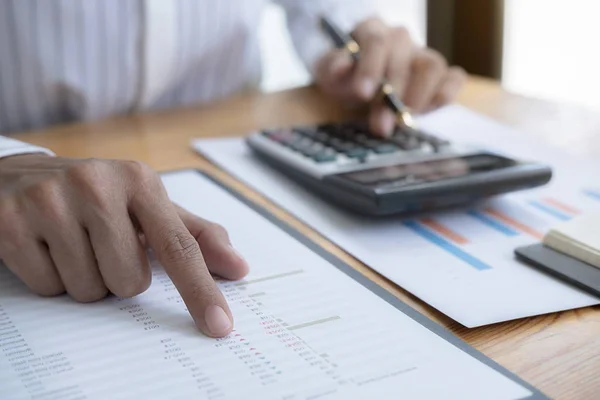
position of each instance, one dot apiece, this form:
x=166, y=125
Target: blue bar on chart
x=549, y=210
x=593, y=194
x=514, y=223
x=437, y=239
x=492, y=223
x=566, y=208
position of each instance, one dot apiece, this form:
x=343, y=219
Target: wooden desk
x=558, y=353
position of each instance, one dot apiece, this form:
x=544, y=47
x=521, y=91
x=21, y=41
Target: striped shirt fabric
x=67, y=60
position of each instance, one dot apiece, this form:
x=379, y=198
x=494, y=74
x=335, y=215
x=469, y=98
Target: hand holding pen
x=381, y=65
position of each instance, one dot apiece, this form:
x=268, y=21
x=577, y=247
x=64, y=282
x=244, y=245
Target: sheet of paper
x=459, y=262
x=304, y=330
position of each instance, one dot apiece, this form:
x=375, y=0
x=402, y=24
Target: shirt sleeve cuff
x=11, y=147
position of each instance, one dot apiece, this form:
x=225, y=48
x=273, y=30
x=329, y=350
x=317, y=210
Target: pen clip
x=405, y=118
x=353, y=48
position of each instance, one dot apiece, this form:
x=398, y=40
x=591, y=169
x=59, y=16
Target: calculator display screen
x=427, y=171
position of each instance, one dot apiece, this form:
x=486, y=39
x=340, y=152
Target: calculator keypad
x=328, y=143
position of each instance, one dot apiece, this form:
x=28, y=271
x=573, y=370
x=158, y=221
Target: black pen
x=342, y=40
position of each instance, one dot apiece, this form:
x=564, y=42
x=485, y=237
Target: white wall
x=551, y=49
x=281, y=67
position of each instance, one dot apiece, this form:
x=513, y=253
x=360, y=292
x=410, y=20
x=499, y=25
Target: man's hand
x=77, y=226
x=420, y=76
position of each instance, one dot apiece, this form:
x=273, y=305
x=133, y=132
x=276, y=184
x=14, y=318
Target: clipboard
x=147, y=345
x=373, y=287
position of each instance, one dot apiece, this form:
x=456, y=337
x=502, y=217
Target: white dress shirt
x=66, y=60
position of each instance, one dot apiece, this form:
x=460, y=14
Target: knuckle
x=133, y=286
x=90, y=294
x=47, y=289
x=180, y=245
x=141, y=176
x=128, y=290
x=42, y=190
x=401, y=33
x=138, y=170
x=459, y=73
x=372, y=32
x=376, y=37
x=12, y=240
x=83, y=171
x=48, y=198
x=90, y=179
x=436, y=57
x=6, y=210
x=8, y=223
x=369, y=23
x=432, y=61
x=443, y=97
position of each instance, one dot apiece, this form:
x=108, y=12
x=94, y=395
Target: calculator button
x=405, y=142
x=312, y=133
x=367, y=141
x=385, y=148
x=321, y=136
x=375, y=144
x=344, y=147
x=317, y=146
x=350, y=142
x=270, y=134
x=302, y=144
x=347, y=133
x=295, y=138
x=324, y=156
x=305, y=131
x=311, y=150
x=326, y=127
x=358, y=152
x=283, y=139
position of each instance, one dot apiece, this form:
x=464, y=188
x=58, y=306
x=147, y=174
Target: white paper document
x=304, y=329
x=460, y=262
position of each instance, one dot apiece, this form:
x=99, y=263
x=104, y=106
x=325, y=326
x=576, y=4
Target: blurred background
x=540, y=48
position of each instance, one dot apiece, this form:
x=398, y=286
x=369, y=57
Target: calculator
x=411, y=170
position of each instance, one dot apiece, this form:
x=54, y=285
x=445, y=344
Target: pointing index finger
x=179, y=253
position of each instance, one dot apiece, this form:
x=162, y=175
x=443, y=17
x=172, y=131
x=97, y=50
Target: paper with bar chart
x=459, y=262
x=304, y=329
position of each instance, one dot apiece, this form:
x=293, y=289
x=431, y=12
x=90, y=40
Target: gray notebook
x=562, y=266
x=571, y=252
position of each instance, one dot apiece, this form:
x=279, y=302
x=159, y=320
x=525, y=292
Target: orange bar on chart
x=514, y=223
x=561, y=206
x=444, y=231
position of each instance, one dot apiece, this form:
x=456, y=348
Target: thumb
x=220, y=256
